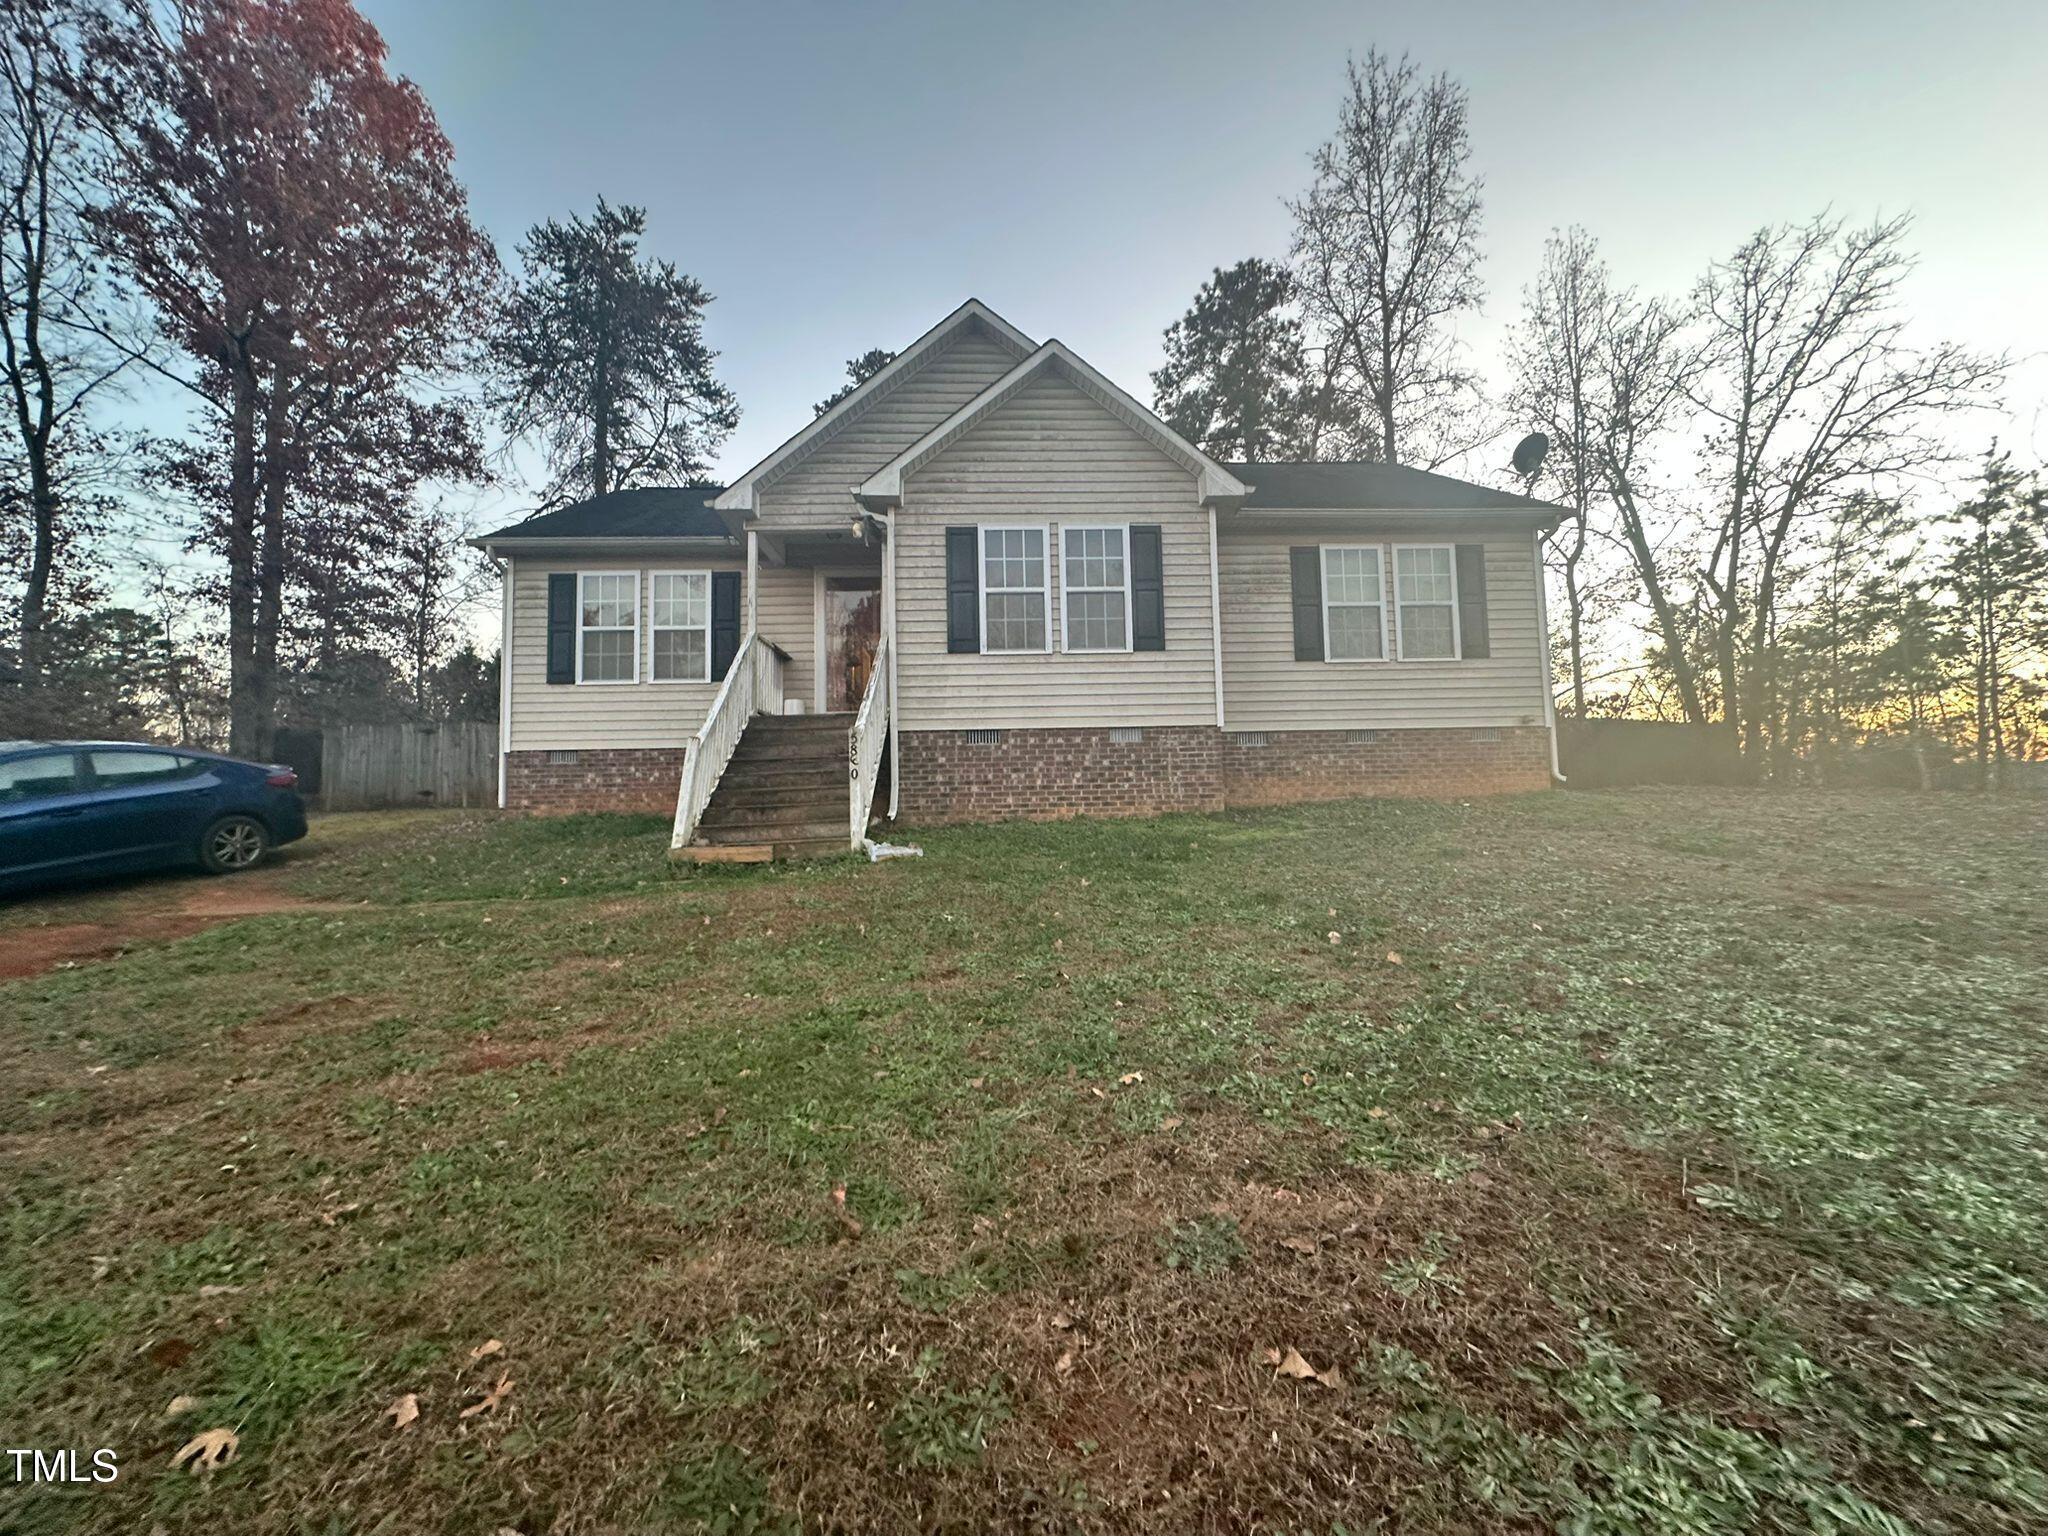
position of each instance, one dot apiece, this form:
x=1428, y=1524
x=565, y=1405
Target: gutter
x=1543, y=654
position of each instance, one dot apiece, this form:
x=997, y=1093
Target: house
x=988, y=583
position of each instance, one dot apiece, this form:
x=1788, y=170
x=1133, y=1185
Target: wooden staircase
x=783, y=795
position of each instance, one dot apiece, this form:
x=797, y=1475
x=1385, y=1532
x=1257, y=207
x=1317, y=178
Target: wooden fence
x=378, y=767
x=1599, y=754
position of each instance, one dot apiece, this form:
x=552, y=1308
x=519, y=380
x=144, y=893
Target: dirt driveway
x=70, y=925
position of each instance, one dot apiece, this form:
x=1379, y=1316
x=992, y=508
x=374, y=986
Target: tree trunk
x=244, y=704
x=270, y=562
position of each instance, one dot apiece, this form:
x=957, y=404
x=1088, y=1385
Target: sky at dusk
x=841, y=175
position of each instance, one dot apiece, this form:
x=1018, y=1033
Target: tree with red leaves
x=291, y=211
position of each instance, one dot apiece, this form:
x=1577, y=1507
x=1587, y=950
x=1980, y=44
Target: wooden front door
x=853, y=628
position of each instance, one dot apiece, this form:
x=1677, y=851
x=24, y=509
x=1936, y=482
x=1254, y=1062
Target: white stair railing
x=864, y=744
x=753, y=685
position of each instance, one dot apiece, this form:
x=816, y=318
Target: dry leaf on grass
x=1393, y=957
x=1062, y=1320
x=490, y=1400
x=208, y=1292
x=1336, y=937
x=403, y=1410
x=1291, y=1365
x=1129, y=1078
x=1299, y=1244
x=329, y=1217
x=1170, y=1123
x=207, y=1451
x=179, y=1406
x=488, y=1347
x=849, y=1224
x=1064, y=1364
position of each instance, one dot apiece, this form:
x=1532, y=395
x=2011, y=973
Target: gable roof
x=739, y=496
x=1217, y=483
x=1365, y=486
x=657, y=512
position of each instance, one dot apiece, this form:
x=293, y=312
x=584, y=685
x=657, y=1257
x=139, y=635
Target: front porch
x=790, y=757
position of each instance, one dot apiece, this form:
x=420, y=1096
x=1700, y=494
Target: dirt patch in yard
x=158, y=913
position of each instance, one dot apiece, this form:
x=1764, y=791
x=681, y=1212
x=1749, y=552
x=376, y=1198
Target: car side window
x=124, y=769
x=37, y=778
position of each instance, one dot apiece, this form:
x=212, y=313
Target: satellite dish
x=1529, y=454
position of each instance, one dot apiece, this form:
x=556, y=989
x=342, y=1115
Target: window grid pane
x=680, y=601
x=607, y=655
x=1013, y=577
x=1354, y=599
x=1422, y=575
x=1097, y=600
x=1426, y=633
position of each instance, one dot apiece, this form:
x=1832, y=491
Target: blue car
x=74, y=808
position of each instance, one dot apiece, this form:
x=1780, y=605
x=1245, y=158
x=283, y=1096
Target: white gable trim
x=1216, y=484
x=739, y=496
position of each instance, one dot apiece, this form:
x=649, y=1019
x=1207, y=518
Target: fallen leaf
x=403, y=1410
x=1335, y=936
x=330, y=1217
x=1064, y=1364
x=977, y=1082
x=1129, y=1078
x=490, y=1400
x=487, y=1348
x=1299, y=1244
x=179, y=1406
x=208, y=1451
x=849, y=1224
x=1393, y=957
x=1170, y=1123
x=169, y=1354
x=1291, y=1364
x=1308, y=1079
x=102, y=1266
x=208, y=1292
x=718, y=1115
x=1062, y=1320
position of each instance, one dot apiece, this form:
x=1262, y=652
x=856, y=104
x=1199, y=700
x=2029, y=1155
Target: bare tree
x=50, y=367
x=1813, y=393
x=1555, y=354
x=1386, y=252
x=1644, y=369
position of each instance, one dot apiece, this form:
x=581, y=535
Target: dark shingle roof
x=662, y=512
x=1366, y=487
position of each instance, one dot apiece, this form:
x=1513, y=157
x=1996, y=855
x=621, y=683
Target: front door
x=853, y=628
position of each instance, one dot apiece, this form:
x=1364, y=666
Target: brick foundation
x=1282, y=767
x=1045, y=774
x=594, y=779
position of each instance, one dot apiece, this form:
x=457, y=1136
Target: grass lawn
x=1630, y=1162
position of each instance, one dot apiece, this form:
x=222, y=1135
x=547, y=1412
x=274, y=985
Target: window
x=120, y=770
x=1013, y=590
x=1354, y=603
x=1426, y=601
x=679, y=618
x=1095, y=589
x=33, y=778
x=607, y=627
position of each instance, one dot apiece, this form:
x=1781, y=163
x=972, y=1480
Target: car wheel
x=233, y=844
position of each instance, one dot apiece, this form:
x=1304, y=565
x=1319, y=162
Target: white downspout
x=504, y=678
x=888, y=520
x=1216, y=617
x=1543, y=653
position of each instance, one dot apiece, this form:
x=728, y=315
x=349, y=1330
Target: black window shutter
x=1473, y=642
x=725, y=621
x=1305, y=564
x=1148, y=589
x=562, y=626
x=963, y=592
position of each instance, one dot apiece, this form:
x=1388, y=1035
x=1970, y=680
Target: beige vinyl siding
x=788, y=616
x=1266, y=689
x=557, y=716
x=815, y=487
x=1052, y=455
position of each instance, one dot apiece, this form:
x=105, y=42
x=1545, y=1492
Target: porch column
x=753, y=580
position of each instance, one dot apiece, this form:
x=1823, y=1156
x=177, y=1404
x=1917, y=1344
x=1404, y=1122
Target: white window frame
x=981, y=533
x=1400, y=636
x=1066, y=633
x=1323, y=575
x=654, y=629
x=582, y=629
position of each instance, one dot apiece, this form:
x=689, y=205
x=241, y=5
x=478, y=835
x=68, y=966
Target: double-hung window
x=608, y=627
x=1095, y=589
x=1014, y=590
x=679, y=620
x=1426, y=601
x=1354, y=603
